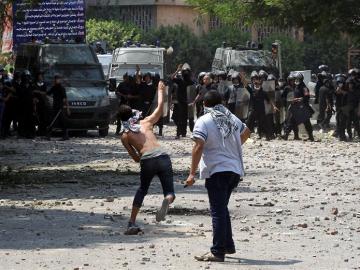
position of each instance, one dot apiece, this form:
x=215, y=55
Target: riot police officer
x=26, y=107
x=326, y=102
x=222, y=87
x=353, y=84
x=257, y=114
x=239, y=98
x=343, y=107
x=322, y=69
x=300, y=111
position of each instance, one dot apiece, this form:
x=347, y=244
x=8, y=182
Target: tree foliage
x=188, y=48
x=115, y=33
x=315, y=16
x=331, y=50
x=292, y=52
x=231, y=35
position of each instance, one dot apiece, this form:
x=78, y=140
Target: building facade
x=148, y=14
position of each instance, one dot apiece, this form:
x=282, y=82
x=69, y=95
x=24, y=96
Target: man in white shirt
x=218, y=137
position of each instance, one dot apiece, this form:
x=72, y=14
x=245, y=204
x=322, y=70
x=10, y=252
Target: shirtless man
x=139, y=140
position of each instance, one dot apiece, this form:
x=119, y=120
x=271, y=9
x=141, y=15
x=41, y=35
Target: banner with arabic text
x=56, y=20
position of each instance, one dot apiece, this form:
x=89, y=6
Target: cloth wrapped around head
x=223, y=120
x=132, y=124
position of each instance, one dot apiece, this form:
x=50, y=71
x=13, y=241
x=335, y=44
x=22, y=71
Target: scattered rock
x=109, y=199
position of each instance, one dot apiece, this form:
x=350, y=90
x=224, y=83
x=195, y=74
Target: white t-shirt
x=219, y=155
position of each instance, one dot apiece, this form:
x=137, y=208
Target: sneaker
x=209, y=257
x=132, y=229
x=160, y=215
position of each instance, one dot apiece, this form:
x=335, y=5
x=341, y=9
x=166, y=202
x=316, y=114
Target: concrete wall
x=175, y=15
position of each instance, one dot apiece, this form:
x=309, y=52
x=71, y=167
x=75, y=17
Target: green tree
x=331, y=51
x=229, y=34
x=292, y=52
x=115, y=33
x=188, y=48
x=315, y=16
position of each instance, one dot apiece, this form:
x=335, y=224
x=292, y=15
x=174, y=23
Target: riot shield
x=191, y=95
x=242, y=103
x=269, y=88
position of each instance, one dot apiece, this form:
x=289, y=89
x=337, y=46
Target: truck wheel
x=103, y=132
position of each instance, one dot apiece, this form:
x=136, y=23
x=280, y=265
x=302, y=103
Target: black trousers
x=342, y=124
x=260, y=119
x=293, y=125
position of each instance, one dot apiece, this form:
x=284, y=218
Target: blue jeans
x=220, y=186
x=160, y=166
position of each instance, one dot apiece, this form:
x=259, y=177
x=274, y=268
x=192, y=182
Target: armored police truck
x=243, y=60
x=83, y=79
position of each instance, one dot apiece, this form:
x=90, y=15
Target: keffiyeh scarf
x=223, y=120
x=132, y=124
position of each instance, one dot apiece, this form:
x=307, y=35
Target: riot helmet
x=352, y=72
x=26, y=76
x=323, y=68
x=222, y=75
x=236, y=78
x=271, y=77
x=282, y=82
x=291, y=76
x=299, y=78
x=263, y=75
x=357, y=72
x=340, y=80
x=201, y=76
x=254, y=75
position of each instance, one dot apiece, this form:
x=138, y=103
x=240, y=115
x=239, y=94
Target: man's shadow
x=243, y=261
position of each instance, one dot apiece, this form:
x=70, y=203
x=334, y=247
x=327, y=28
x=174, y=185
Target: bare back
x=138, y=143
x=145, y=140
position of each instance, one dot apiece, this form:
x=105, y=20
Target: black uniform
x=354, y=90
x=300, y=112
x=26, y=110
x=326, y=93
x=257, y=112
x=180, y=113
x=284, y=97
x=59, y=94
x=11, y=113
x=343, y=109
x=41, y=108
x=277, y=115
x=147, y=93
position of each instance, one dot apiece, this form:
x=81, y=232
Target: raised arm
x=157, y=114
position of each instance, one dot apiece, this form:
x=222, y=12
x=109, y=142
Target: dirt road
x=66, y=205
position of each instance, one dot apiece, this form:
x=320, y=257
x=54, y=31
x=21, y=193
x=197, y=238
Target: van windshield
x=59, y=54
x=139, y=57
x=78, y=73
